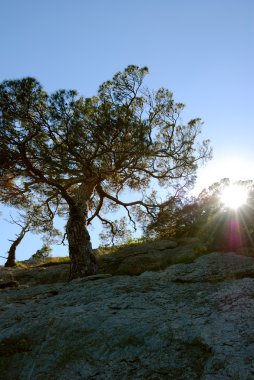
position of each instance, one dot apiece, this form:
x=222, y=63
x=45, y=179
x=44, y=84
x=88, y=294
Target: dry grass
x=53, y=261
x=44, y=263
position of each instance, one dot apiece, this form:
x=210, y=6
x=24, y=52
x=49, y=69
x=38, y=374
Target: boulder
x=188, y=321
x=132, y=260
x=157, y=245
x=40, y=275
x=152, y=256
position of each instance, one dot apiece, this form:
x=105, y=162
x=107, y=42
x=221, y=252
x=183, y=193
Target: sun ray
x=234, y=196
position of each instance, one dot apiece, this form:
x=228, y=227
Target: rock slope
x=188, y=321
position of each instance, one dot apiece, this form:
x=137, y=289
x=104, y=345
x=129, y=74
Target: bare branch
x=63, y=239
x=96, y=213
x=121, y=203
x=111, y=225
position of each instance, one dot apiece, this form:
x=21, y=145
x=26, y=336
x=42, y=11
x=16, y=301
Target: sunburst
x=234, y=196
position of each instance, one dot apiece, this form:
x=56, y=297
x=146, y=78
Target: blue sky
x=202, y=50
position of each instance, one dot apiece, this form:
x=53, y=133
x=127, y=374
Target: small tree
x=81, y=153
x=11, y=255
x=34, y=219
x=42, y=253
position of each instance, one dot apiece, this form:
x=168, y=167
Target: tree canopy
x=207, y=217
x=78, y=154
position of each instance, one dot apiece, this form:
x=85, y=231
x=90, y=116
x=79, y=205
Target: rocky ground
x=188, y=320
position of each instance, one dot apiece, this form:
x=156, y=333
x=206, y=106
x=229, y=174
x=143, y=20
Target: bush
x=42, y=253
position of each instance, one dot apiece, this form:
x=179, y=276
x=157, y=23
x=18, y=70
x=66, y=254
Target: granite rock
x=188, y=321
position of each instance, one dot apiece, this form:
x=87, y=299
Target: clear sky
x=202, y=50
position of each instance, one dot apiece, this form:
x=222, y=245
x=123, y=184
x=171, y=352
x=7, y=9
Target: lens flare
x=234, y=196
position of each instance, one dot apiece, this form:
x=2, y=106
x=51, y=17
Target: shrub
x=42, y=253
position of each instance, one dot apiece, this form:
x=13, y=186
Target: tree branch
x=96, y=213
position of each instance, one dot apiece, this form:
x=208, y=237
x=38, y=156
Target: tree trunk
x=11, y=260
x=83, y=261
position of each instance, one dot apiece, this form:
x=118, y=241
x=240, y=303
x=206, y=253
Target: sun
x=226, y=166
x=234, y=196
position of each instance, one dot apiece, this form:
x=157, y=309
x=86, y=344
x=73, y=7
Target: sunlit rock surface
x=188, y=321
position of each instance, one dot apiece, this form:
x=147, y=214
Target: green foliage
x=42, y=253
x=207, y=218
x=136, y=241
x=77, y=155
